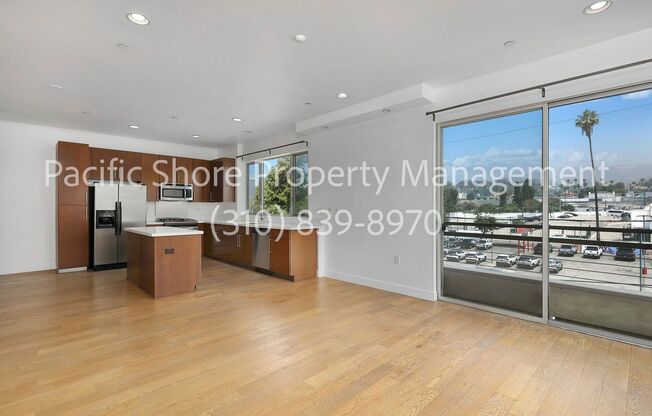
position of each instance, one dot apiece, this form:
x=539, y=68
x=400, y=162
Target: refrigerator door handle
x=116, y=219
x=120, y=205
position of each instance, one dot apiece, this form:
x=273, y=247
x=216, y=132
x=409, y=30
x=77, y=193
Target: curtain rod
x=541, y=87
x=269, y=149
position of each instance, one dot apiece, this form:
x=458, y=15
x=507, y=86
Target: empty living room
x=319, y=207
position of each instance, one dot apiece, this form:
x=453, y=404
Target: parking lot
x=605, y=271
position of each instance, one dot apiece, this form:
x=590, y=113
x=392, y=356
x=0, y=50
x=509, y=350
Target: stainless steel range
x=189, y=223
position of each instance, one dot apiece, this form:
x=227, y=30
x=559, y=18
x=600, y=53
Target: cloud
x=576, y=156
x=639, y=95
x=499, y=157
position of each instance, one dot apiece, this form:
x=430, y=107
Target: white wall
x=27, y=205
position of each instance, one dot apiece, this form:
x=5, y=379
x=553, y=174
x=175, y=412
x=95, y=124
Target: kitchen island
x=164, y=261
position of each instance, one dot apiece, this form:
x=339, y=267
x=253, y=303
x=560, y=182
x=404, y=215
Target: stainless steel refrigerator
x=114, y=207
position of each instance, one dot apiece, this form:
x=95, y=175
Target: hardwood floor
x=249, y=344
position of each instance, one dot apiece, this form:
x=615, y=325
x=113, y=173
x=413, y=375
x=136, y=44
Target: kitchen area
x=132, y=197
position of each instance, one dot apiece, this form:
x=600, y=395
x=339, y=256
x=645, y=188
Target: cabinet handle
x=210, y=197
x=86, y=198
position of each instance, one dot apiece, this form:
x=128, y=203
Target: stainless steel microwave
x=169, y=192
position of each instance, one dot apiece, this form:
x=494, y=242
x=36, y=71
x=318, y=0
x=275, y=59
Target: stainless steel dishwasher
x=261, y=250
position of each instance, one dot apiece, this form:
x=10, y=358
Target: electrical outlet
x=397, y=259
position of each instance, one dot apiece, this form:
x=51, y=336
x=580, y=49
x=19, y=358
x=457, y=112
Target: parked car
x=573, y=214
x=475, y=257
x=564, y=216
x=468, y=243
x=505, y=260
x=555, y=266
x=567, y=250
x=455, y=255
x=626, y=254
x=450, y=245
x=538, y=248
x=484, y=244
x=592, y=251
x=527, y=262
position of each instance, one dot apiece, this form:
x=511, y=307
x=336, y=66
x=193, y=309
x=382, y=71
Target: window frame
x=260, y=162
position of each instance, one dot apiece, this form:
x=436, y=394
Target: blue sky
x=623, y=139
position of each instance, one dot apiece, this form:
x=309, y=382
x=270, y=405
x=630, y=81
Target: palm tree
x=585, y=122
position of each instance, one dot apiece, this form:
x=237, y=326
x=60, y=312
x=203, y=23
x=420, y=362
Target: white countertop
x=273, y=225
x=163, y=231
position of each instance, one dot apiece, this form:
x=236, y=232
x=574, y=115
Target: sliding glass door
x=547, y=213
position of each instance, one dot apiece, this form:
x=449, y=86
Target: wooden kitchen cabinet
x=202, y=168
x=221, y=190
x=244, y=247
x=184, y=170
x=72, y=207
x=149, y=176
x=227, y=245
x=165, y=167
x=279, y=252
x=293, y=255
x=127, y=165
x=72, y=156
x=72, y=236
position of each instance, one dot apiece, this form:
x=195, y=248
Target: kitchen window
x=278, y=185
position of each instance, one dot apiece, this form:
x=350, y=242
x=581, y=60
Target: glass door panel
x=600, y=224
x=492, y=205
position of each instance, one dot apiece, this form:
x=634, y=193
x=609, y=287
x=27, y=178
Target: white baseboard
x=26, y=268
x=378, y=284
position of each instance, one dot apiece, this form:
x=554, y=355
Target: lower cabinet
x=292, y=255
x=72, y=236
x=225, y=243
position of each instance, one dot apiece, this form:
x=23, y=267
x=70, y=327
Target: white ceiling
x=206, y=61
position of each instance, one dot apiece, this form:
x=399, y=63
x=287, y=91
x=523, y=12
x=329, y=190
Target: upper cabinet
x=148, y=169
x=223, y=188
x=149, y=176
x=117, y=165
x=183, y=170
x=202, y=186
x=72, y=156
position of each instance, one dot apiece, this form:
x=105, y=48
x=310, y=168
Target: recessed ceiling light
x=386, y=110
x=195, y=136
x=174, y=117
x=342, y=95
x=247, y=131
x=122, y=46
x=300, y=38
x=85, y=113
x=597, y=7
x=509, y=44
x=324, y=127
x=133, y=126
x=138, y=18
x=56, y=86
x=238, y=119
x=307, y=103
